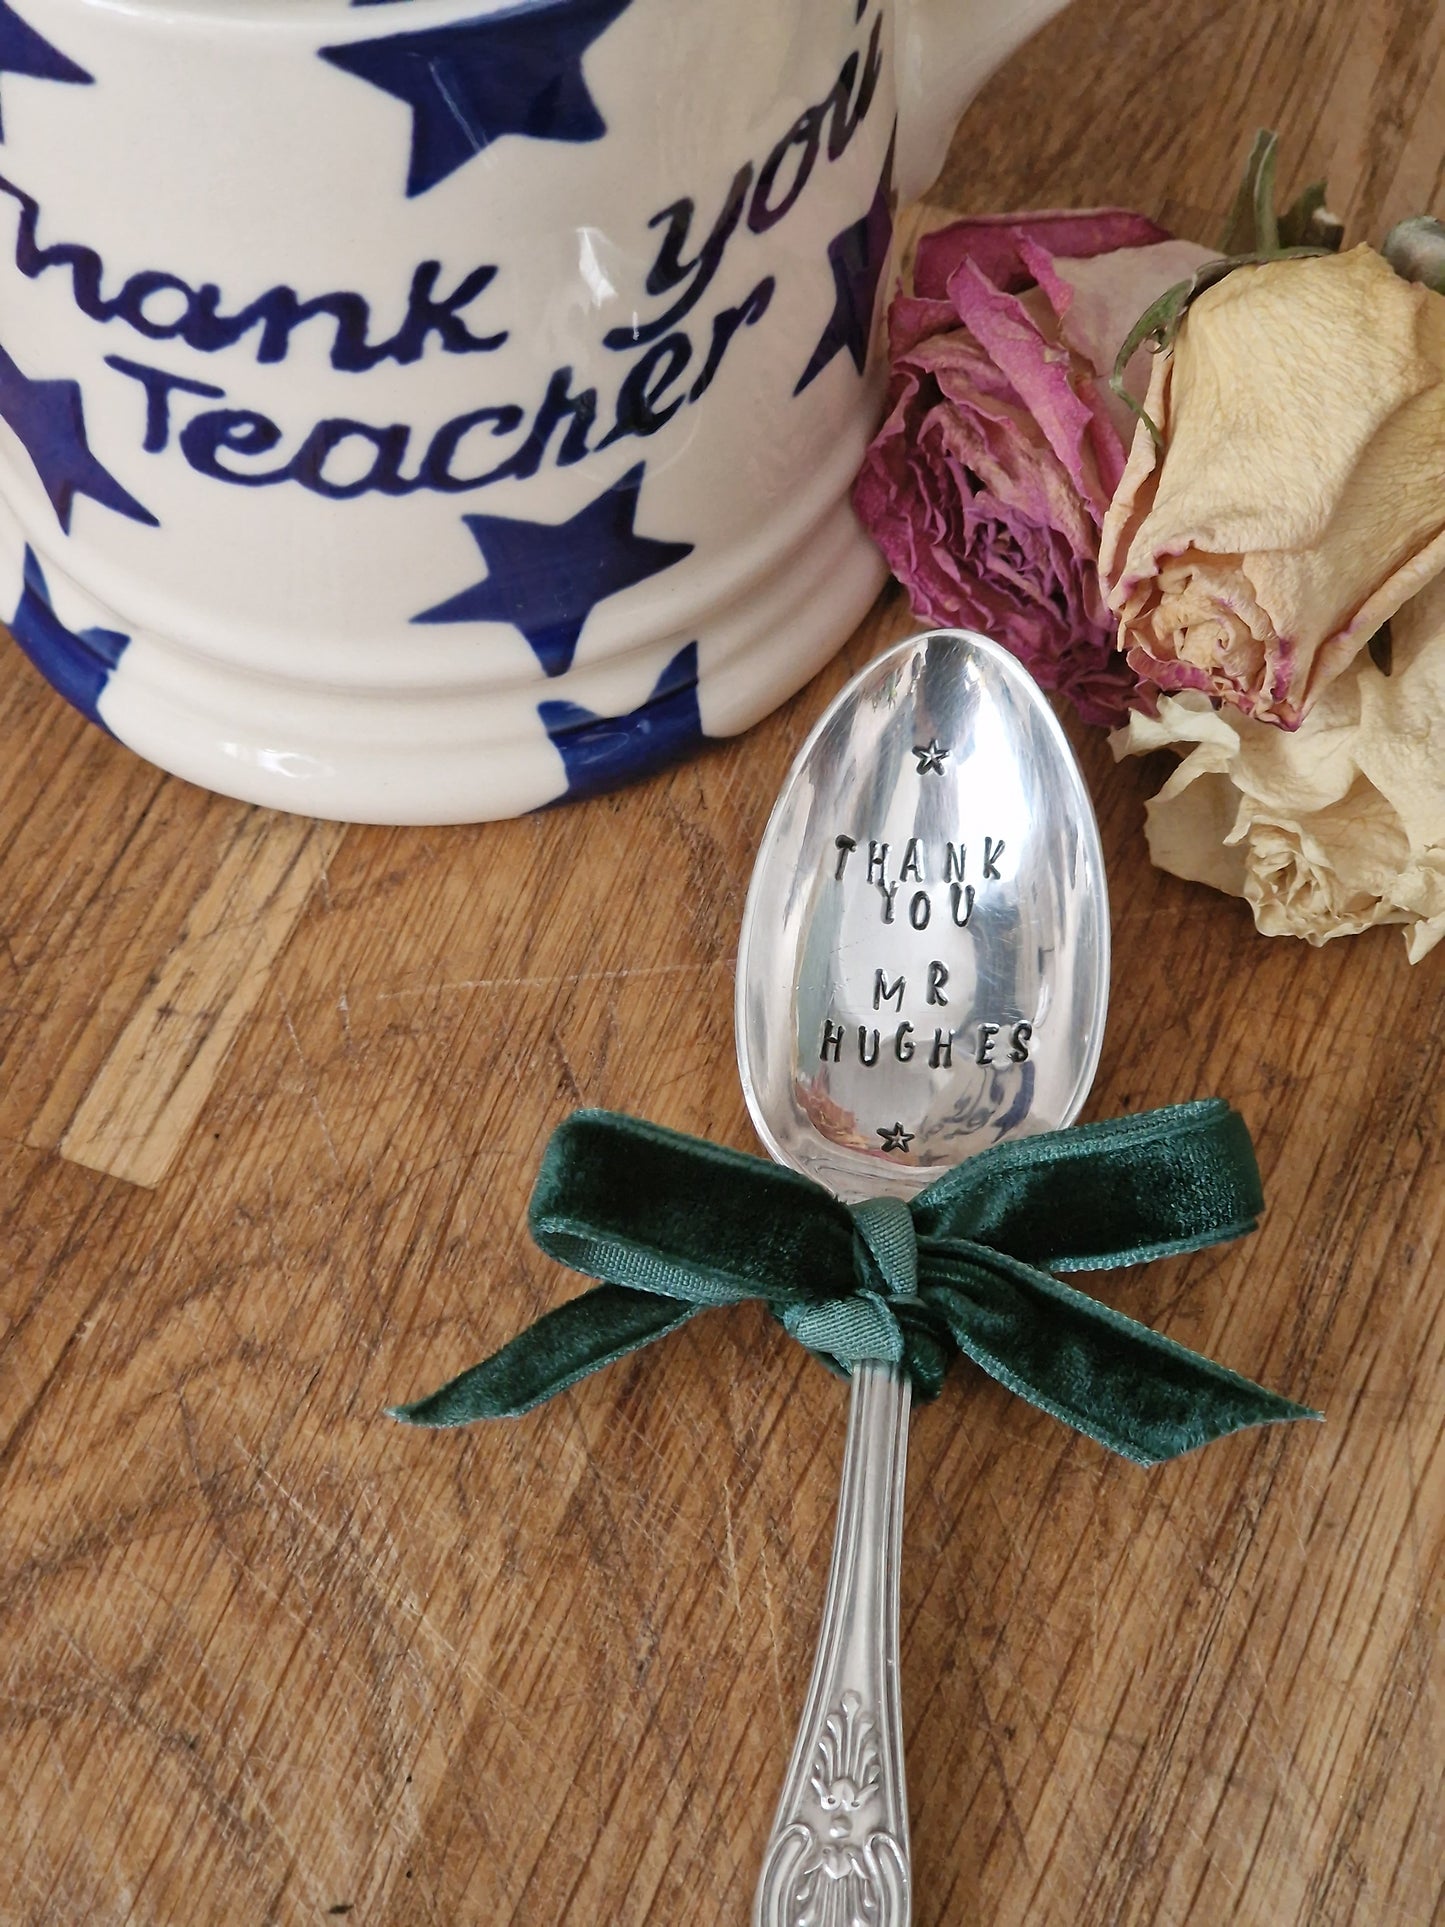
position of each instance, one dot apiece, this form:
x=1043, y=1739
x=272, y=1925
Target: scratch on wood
x=314, y=1096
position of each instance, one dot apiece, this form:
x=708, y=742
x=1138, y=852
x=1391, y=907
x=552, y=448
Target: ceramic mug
x=424, y=412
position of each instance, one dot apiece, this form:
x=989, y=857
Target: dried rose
x=1329, y=829
x=1300, y=496
x=988, y=484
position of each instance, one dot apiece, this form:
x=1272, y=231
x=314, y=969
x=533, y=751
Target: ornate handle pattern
x=838, y=1854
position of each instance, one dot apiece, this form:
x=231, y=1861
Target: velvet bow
x=673, y=1225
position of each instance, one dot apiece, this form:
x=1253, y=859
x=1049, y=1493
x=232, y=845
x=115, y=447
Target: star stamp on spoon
x=923, y=970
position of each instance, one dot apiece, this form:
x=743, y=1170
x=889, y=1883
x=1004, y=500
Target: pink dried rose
x=1299, y=498
x=988, y=484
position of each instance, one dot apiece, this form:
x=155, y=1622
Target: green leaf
x=1307, y=222
x=1255, y=229
x=1158, y=325
x=1266, y=226
x=1294, y=223
x=1243, y=234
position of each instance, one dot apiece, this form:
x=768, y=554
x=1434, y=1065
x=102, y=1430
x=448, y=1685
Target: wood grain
x=268, y=1658
x=141, y=922
x=138, y=1109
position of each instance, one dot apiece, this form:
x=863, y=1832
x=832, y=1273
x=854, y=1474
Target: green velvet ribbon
x=673, y=1225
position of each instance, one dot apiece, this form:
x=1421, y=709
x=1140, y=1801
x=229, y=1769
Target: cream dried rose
x=1300, y=498
x=1330, y=829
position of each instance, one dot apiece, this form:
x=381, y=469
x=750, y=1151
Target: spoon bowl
x=926, y=938
x=923, y=970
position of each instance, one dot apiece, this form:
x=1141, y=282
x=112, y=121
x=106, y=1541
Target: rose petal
x=989, y=480
x=1041, y=374
x=1303, y=411
x=1098, y=301
x=1330, y=830
x=992, y=241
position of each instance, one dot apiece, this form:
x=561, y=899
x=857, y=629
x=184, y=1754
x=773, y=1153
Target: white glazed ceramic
x=423, y=411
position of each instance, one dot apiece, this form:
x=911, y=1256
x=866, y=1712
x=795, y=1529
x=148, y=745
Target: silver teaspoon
x=923, y=970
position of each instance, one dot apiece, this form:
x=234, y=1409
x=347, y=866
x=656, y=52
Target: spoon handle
x=839, y=1845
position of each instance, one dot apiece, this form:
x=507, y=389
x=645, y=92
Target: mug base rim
x=426, y=756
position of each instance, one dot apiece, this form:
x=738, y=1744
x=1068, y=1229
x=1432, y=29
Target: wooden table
x=273, y=1097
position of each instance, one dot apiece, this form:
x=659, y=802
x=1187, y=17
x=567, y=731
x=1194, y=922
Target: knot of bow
x=674, y=1225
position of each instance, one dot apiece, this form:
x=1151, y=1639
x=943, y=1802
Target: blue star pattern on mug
x=49, y=419
x=545, y=578
x=857, y=257
x=549, y=563
x=471, y=82
x=601, y=752
x=22, y=51
x=76, y=663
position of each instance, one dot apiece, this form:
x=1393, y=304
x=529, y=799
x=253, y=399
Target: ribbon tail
x=562, y=1346
x=1136, y=1392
